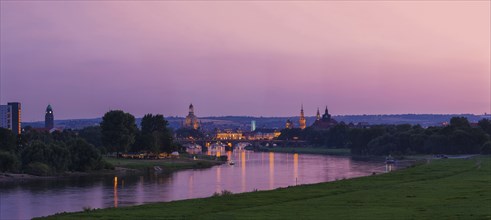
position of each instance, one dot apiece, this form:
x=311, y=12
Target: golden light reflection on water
x=219, y=179
x=243, y=169
x=295, y=167
x=271, y=170
x=115, y=191
x=229, y=155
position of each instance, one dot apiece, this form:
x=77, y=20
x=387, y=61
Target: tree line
x=459, y=137
x=43, y=153
x=39, y=152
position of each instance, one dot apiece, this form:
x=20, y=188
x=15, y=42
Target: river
x=251, y=171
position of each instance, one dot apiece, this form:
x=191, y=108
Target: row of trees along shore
x=43, y=153
x=39, y=152
x=459, y=137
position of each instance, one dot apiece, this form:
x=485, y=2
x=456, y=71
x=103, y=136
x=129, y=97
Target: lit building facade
x=302, y=121
x=229, y=134
x=16, y=117
x=49, y=120
x=263, y=134
x=191, y=120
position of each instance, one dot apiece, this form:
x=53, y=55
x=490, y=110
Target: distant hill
x=244, y=122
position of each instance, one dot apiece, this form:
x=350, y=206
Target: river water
x=251, y=171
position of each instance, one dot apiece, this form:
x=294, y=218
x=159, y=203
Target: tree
x=59, y=157
x=92, y=134
x=8, y=162
x=155, y=135
x=118, y=131
x=7, y=140
x=84, y=156
x=485, y=125
x=189, y=132
x=459, y=123
x=36, y=152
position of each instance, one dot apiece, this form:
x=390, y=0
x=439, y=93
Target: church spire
x=191, y=109
x=302, y=122
x=318, y=116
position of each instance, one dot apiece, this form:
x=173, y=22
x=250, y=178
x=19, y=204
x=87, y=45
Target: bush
x=226, y=193
x=107, y=165
x=223, y=193
x=223, y=158
x=38, y=169
x=8, y=162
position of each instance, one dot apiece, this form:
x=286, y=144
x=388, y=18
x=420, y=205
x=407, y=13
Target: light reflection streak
x=115, y=192
x=295, y=167
x=191, y=185
x=271, y=170
x=243, y=169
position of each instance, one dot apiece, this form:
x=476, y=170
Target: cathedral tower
x=302, y=122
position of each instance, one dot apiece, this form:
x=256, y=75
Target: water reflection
x=115, y=191
x=262, y=171
x=295, y=167
x=271, y=170
x=243, y=169
x=219, y=180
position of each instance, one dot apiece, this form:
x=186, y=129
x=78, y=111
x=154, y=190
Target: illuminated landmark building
x=49, y=118
x=325, y=122
x=302, y=122
x=191, y=120
x=318, y=116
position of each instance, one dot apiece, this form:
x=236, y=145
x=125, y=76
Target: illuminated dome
x=191, y=120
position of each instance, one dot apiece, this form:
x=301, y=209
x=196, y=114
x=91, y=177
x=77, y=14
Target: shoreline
x=408, y=191
x=122, y=169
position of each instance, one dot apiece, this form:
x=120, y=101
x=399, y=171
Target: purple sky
x=245, y=58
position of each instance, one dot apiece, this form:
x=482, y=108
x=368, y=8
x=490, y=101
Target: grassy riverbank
x=442, y=189
x=309, y=150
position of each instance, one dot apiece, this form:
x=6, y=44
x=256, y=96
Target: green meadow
x=440, y=189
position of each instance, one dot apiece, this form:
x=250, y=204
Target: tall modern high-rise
x=49, y=122
x=6, y=117
x=16, y=117
x=253, y=125
x=302, y=122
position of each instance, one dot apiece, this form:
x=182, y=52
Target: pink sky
x=245, y=58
